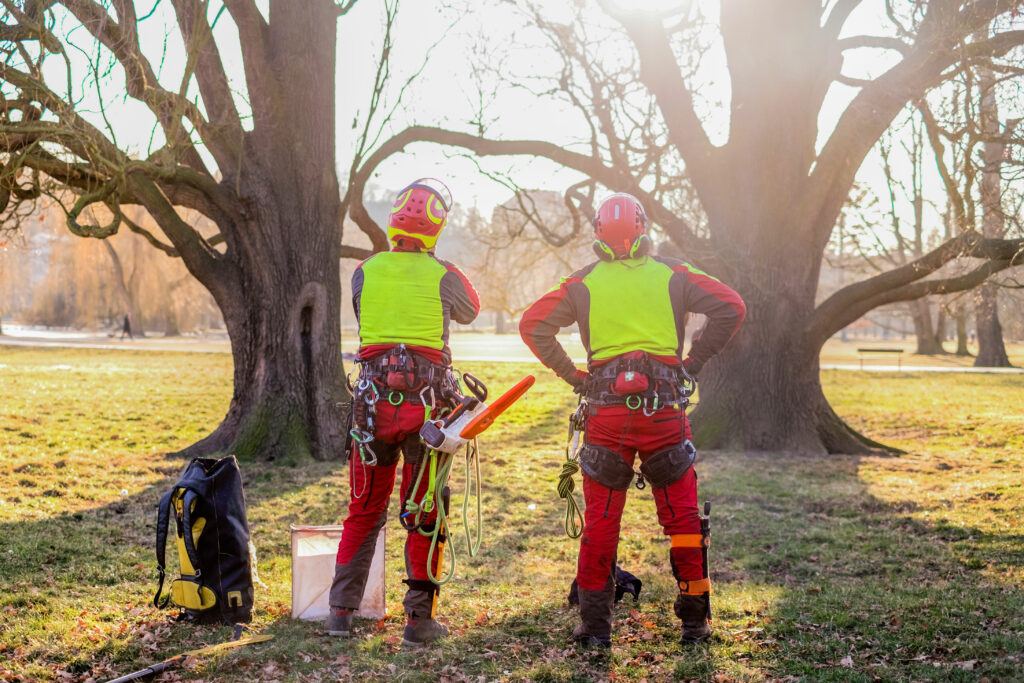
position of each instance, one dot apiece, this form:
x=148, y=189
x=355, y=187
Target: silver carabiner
x=647, y=410
x=425, y=390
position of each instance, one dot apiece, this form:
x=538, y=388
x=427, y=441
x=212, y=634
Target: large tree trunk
x=764, y=391
x=284, y=327
x=282, y=311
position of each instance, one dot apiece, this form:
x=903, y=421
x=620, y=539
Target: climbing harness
x=398, y=376
x=638, y=382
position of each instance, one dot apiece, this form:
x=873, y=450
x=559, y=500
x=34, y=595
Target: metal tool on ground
x=178, y=660
x=705, y=532
x=444, y=437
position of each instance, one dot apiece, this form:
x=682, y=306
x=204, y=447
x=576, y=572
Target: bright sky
x=445, y=94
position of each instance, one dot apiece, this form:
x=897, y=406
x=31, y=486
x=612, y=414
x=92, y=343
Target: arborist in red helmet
x=631, y=309
x=404, y=300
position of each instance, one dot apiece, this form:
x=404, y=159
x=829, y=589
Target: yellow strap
x=695, y=587
x=687, y=540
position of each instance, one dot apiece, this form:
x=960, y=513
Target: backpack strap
x=190, y=545
x=163, y=518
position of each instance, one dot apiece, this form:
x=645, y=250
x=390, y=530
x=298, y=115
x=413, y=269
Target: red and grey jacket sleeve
x=459, y=296
x=694, y=291
x=357, y=288
x=542, y=321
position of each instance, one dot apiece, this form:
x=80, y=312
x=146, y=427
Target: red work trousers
x=630, y=433
x=397, y=433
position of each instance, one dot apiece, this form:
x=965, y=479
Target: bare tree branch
x=852, y=298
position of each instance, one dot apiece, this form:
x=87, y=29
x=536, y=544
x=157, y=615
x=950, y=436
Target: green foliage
x=840, y=568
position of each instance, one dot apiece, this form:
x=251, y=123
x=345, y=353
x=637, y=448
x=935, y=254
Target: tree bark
x=280, y=292
x=284, y=326
x=764, y=391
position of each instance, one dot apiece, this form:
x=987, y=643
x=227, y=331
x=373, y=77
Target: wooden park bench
x=899, y=355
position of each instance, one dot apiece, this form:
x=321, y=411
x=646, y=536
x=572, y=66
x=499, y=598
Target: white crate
x=314, y=549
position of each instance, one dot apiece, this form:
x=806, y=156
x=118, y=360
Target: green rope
x=440, y=522
x=566, y=485
x=473, y=546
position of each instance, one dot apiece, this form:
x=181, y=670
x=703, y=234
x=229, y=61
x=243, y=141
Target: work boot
x=339, y=622
x=595, y=629
x=422, y=632
x=693, y=611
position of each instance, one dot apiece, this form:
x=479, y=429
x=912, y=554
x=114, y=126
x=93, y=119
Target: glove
x=579, y=381
x=691, y=366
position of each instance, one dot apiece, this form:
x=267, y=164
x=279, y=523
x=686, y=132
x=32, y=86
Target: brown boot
x=693, y=611
x=422, y=632
x=595, y=629
x=339, y=622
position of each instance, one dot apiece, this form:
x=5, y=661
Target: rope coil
x=566, y=486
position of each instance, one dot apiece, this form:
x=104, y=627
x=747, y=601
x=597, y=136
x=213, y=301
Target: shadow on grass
x=76, y=589
x=866, y=590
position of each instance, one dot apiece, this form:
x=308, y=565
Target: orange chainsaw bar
x=500, y=405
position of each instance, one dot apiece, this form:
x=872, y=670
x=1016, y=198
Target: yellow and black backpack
x=213, y=544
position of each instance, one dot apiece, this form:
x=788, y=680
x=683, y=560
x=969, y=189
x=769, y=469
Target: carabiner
x=423, y=392
x=368, y=460
x=391, y=397
x=370, y=397
x=648, y=411
x=633, y=401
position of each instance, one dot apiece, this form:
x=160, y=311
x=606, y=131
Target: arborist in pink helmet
x=405, y=300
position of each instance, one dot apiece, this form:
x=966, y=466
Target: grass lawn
x=842, y=568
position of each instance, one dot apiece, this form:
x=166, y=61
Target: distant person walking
x=126, y=328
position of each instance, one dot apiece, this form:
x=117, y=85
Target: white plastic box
x=314, y=549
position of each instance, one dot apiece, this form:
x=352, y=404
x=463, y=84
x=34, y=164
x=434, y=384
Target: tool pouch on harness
x=212, y=538
x=667, y=466
x=637, y=380
x=630, y=382
x=400, y=371
x=606, y=467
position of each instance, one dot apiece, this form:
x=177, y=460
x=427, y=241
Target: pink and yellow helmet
x=419, y=215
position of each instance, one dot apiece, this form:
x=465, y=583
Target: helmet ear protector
x=641, y=247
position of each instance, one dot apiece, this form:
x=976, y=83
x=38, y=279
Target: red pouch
x=404, y=377
x=629, y=382
x=399, y=381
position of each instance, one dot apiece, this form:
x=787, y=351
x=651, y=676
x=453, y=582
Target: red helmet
x=621, y=228
x=419, y=215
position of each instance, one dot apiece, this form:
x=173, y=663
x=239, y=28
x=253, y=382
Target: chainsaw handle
x=476, y=387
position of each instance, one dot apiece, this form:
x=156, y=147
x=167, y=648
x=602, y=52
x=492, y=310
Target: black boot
x=595, y=629
x=693, y=611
